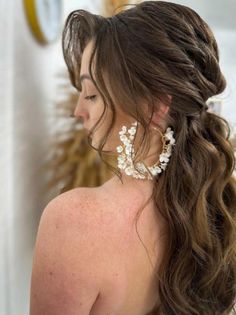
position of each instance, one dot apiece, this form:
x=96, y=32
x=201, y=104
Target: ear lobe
x=159, y=115
x=163, y=109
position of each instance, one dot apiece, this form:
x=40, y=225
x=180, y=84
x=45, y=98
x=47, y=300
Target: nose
x=80, y=113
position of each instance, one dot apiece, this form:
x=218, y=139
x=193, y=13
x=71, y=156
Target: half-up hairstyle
x=147, y=52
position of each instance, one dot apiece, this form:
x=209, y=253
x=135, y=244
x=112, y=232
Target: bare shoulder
x=65, y=279
x=74, y=206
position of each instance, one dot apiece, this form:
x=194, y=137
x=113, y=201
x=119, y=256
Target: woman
x=158, y=237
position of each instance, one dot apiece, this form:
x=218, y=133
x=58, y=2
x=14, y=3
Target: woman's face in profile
x=90, y=107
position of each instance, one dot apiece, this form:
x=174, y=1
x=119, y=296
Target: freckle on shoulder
x=76, y=204
x=75, y=197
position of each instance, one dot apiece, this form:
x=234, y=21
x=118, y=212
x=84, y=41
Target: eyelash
x=92, y=97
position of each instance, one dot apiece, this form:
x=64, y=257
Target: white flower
x=169, y=133
x=126, y=142
x=129, y=171
x=128, y=150
x=132, y=131
x=155, y=170
x=141, y=167
x=163, y=166
x=164, y=157
x=129, y=159
x=168, y=136
x=121, y=159
x=168, y=152
x=123, y=138
x=121, y=133
x=121, y=166
x=119, y=149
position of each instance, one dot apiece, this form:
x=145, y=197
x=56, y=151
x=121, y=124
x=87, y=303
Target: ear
x=159, y=115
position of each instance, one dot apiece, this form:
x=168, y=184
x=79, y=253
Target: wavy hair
x=147, y=52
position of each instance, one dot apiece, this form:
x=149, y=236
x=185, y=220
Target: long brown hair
x=147, y=52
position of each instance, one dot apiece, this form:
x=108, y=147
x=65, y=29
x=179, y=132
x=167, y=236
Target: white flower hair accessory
x=126, y=154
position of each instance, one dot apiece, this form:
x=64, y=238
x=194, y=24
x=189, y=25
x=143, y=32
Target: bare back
x=130, y=287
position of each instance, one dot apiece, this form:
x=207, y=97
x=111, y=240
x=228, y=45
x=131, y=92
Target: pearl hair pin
x=126, y=154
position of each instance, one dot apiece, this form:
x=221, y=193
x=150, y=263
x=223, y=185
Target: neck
x=128, y=182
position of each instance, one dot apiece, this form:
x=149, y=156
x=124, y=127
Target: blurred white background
x=28, y=86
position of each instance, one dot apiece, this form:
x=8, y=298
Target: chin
x=96, y=143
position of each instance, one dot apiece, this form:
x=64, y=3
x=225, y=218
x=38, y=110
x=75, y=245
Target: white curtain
x=27, y=92
x=6, y=142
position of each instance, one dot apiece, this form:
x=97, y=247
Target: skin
x=89, y=112
x=75, y=224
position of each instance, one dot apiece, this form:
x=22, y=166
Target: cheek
x=96, y=113
x=102, y=128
